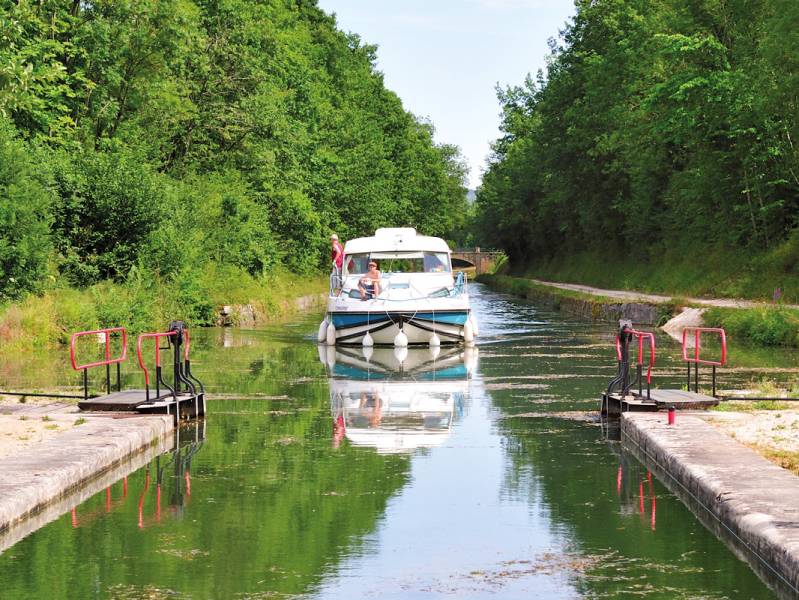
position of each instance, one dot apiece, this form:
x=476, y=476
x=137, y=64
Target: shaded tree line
x=659, y=126
x=169, y=137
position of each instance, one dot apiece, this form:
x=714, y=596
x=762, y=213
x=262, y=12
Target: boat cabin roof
x=396, y=239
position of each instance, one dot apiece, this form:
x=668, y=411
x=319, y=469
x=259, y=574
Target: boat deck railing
x=460, y=287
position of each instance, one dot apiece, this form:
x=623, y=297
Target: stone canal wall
x=595, y=308
x=749, y=502
x=248, y=315
x=36, y=478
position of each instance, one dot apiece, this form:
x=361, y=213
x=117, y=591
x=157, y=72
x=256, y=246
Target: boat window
x=356, y=264
x=398, y=262
x=436, y=262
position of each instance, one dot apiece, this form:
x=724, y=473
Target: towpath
x=633, y=296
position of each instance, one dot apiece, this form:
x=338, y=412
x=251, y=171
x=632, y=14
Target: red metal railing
x=187, y=341
x=155, y=336
x=108, y=360
x=640, y=336
x=696, y=358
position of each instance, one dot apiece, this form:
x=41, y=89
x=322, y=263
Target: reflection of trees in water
x=608, y=501
x=272, y=507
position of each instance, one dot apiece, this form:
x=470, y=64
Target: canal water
x=324, y=473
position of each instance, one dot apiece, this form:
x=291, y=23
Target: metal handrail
x=155, y=336
x=698, y=331
x=640, y=336
x=158, y=379
x=697, y=359
x=108, y=360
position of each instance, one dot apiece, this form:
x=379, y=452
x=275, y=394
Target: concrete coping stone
x=755, y=500
x=39, y=476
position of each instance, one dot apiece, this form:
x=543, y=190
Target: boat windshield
x=399, y=262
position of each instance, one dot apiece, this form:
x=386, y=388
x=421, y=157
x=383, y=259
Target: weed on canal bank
x=146, y=303
x=715, y=272
x=765, y=326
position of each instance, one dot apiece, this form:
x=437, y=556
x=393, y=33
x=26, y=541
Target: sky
x=444, y=58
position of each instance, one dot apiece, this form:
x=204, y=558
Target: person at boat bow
x=337, y=258
x=369, y=284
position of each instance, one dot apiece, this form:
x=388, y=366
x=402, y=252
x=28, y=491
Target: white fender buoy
x=434, y=341
x=468, y=332
x=322, y=335
x=367, y=352
x=401, y=353
x=331, y=335
x=367, y=340
x=331, y=356
x=434, y=352
x=401, y=340
x=475, y=330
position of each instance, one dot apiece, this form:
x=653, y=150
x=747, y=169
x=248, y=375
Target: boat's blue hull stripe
x=347, y=320
x=344, y=320
x=458, y=318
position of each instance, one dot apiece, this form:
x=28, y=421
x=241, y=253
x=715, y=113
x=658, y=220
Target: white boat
x=420, y=301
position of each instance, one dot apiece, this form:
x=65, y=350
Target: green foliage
x=24, y=220
x=768, y=326
x=660, y=129
x=164, y=140
x=110, y=203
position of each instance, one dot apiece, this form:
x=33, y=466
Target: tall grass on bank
x=767, y=326
x=147, y=303
x=719, y=272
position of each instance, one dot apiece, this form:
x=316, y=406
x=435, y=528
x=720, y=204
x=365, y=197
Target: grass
x=79, y=421
x=784, y=458
x=145, y=303
x=723, y=273
x=767, y=326
x=688, y=271
x=751, y=406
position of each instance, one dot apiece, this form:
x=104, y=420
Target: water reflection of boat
x=397, y=402
x=392, y=363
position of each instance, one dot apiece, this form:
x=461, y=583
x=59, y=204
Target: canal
x=327, y=474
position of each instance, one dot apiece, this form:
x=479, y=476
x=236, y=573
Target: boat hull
x=383, y=326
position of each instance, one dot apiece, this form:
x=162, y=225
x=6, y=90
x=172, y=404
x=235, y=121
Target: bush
x=108, y=205
x=766, y=326
x=25, y=219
